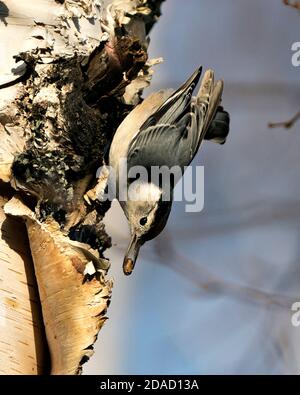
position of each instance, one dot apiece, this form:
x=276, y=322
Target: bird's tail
x=219, y=127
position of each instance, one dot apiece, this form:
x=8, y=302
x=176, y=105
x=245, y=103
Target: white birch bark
x=70, y=71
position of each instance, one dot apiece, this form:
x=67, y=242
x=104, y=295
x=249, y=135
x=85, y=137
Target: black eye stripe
x=143, y=221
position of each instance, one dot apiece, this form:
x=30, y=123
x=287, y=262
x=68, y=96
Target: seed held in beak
x=131, y=255
x=128, y=266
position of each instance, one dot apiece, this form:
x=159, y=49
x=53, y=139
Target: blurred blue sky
x=244, y=41
x=213, y=293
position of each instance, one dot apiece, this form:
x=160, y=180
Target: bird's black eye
x=143, y=221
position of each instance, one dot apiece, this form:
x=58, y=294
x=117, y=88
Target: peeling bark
x=23, y=347
x=72, y=72
x=73, y=302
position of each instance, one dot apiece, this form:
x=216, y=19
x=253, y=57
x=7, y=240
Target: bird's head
x=147, y=213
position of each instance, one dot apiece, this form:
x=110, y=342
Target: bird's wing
x=173, y=134
x=176, y=104
x=205, y=107
x=155, y=146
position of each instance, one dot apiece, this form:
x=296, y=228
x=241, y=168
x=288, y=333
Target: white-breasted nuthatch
x=166, y=129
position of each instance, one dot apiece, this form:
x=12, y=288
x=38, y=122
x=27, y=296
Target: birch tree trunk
x=70, y=71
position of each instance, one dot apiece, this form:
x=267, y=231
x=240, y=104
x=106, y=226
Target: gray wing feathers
x=173, y=134
x=173, y=108
x=205, y=106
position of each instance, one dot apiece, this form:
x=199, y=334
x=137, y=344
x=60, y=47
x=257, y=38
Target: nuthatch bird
x=166, y=129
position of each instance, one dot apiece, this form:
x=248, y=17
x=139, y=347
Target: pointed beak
x=131, y=255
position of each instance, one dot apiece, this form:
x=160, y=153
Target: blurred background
x=213, y=293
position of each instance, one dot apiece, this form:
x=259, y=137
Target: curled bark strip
x=73, y=304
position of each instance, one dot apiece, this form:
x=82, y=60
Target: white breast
x=144, y=191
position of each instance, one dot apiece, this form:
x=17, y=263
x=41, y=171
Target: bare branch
x=295, y=4
x=287, y=124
